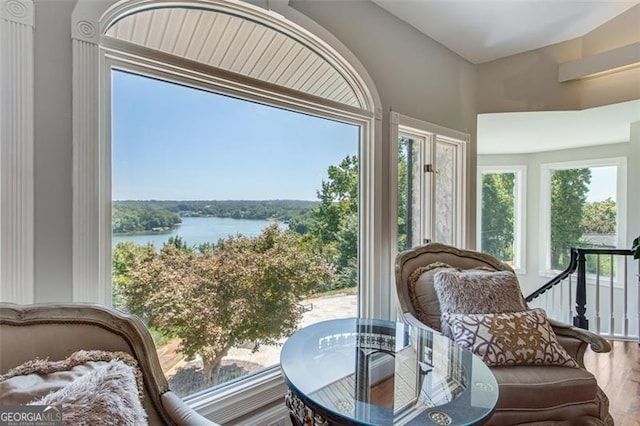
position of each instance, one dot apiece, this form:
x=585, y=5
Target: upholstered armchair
x=529, y=394
x=55, y=331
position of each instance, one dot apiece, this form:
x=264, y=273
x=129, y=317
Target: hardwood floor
x=618, y=374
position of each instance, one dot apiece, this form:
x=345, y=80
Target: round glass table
x=373, y=372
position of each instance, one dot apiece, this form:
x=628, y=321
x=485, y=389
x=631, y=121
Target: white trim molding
x=262, y=389
x=91, y=270
x=610, y=61
x=17, y=151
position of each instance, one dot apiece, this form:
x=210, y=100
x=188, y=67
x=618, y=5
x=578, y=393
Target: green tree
x=498, y=216
x=403, y=220
x=569, y=190
x=124, y=256
x=334, y=230
x=140, y=218
x=244, y=290
x=599, y=217
x=301, y=222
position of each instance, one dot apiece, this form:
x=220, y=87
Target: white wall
x=529, y=81
x=53, y=154
x=532, y=279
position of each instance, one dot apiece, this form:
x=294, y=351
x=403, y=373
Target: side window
x=411, y=190
x=501, y=214
x=582, y=211
x=429, y=188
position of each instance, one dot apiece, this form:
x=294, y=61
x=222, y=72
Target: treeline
x=145, y=215
x=599, y=217
x=137, y=218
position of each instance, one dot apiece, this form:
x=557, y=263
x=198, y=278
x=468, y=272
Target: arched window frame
x=93, y=59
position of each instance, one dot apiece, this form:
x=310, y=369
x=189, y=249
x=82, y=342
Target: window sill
x=227, y=402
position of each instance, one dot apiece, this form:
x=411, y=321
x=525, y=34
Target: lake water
x=200, y=230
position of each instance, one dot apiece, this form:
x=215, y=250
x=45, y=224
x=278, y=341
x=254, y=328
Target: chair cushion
x=512, y=338
x=423, y=294
x=528, y=387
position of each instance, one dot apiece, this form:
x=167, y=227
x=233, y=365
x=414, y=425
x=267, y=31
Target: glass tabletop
x=374, y=372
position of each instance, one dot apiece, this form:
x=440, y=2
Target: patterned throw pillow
x=509, y=338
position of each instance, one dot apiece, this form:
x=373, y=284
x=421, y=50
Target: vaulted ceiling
x=484, y=30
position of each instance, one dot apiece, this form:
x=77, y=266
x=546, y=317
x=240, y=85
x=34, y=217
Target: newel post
x=580, y=320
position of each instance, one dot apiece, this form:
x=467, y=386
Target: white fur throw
x=107, y=395
x=93, y=388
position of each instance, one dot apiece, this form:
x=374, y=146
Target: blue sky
x=603, y=184
x=176, y=143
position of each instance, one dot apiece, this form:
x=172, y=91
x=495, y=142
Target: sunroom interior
x=359, y=62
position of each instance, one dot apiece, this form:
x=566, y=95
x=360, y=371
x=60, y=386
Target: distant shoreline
x=197, y=230
x=134, y=233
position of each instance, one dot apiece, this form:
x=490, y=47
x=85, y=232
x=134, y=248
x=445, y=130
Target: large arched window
x=222, y=48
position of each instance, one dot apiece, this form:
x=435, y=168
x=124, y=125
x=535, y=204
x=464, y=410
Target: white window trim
x=545, y=204
x=520, y=212
x=401, y=124
x=92, y=159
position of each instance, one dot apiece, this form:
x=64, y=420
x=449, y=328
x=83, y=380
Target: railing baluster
x=580, y=320
x=555, y=311
x=626, y=298
x=546, y=301
x=598, y=293
x=570, y=297
x=612, y=329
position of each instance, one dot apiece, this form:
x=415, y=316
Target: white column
x=633, y=223
x=16, y=151
x=91, y=178
x=633, y=195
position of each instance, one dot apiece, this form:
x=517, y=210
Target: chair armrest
x=181, y=413
x=596, y=342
